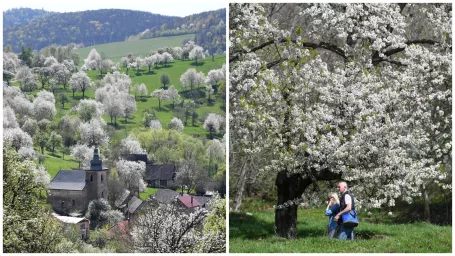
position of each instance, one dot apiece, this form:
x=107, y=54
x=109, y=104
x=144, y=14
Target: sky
x=167, y=7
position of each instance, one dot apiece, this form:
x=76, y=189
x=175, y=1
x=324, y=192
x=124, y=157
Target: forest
x=37, y=30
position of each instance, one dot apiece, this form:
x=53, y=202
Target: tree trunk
x=289, y=188
x=240, y=187
x=427, y=204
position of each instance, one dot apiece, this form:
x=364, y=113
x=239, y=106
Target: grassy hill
x=139, y=47
x=152, y=81
x=254, y=233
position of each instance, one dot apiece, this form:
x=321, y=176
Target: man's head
x=342, y=186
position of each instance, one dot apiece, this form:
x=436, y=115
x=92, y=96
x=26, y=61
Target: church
x=71, y=190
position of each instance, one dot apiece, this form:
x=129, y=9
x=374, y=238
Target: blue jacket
x=332, y=212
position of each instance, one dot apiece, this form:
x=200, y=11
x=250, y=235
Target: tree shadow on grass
x=128, y=122
x=313, y=231
x=117, y=125
x=151, y=72
x=249, y=227
x=200, y=63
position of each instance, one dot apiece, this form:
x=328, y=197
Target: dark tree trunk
x=427, y=204
x=289, y=188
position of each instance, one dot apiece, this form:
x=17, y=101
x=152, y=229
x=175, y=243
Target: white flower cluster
x=380, y=115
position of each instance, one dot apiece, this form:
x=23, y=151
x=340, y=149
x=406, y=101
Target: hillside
x=209, y=27
x=140, y=47
x=135, y=124
x=17, y=16
x=94, y=27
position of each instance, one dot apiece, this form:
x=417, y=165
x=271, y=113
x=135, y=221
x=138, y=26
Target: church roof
x=96, y=164
x=160, y=172
x=68, y=180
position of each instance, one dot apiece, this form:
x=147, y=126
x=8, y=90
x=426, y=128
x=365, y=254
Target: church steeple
x=96, y=163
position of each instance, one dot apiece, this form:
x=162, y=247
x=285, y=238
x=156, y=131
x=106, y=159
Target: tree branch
x=322, y=45
x=400, y=49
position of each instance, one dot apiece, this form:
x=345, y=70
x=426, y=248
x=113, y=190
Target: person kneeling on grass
x=346, y=204
x=333, y=208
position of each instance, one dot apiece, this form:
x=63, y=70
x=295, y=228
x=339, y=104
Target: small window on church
x=74, y=202
x=101, y=177
x=102, y=194
x=91, y=177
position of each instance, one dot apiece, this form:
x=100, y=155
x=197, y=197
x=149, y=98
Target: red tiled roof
x=186, y=200
x=120, y=228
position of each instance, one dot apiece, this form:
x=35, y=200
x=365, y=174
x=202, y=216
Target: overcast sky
x=165, y=7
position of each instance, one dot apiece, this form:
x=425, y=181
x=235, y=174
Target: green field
x=146, y=194
x=255, y=234
x=122, y=128
x=117, y=50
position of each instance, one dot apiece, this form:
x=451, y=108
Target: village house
x=156, y=175
x=160, y=176
x=82, y=225
x=185, y=201
x=71, y=190
x=120, y=230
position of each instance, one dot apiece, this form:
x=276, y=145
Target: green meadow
x=115, y=51
x=251, y=230
x=122, y=128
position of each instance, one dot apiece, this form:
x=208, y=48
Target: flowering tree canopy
x=360, y=92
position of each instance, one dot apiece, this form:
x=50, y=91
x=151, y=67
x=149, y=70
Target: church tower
x=96, y=178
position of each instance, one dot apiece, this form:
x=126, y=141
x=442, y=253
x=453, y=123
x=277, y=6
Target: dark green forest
x=209, y=27
x=94, y=27
x=17, y=16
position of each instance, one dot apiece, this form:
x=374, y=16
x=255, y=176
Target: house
x=136, y=157
x=204, y=201
x=82, y=225
x=185, y=201
x=160, y=176
x=156, y=176
x=130, y=205
x=120, y=230
x=188, y=201
x=166, y=196
x=72, y=190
